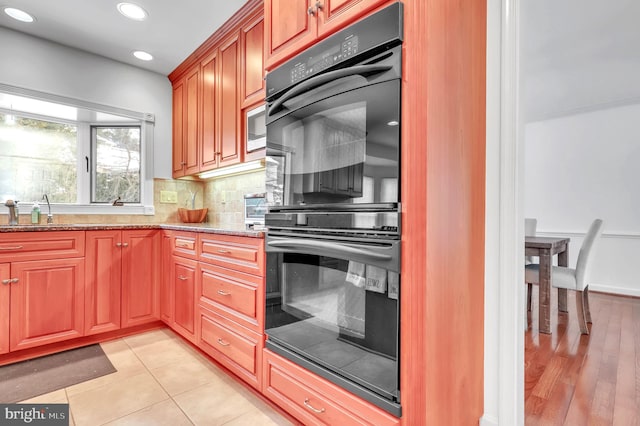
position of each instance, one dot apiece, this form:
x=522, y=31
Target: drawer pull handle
x=312, y=408
x=11, y=248
x=223, y=293
x=182, y=244
x=224, y=251
x=222, y=342
x=182, y=278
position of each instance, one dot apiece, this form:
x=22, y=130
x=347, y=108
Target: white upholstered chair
x=573, y=279
x=530, y=225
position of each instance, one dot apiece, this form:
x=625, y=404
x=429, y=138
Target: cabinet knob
x=311, y=12
x=6, y=281
x=118, y=244
x=318, y=5
x=312, y=408
x=10, y=281
x=125, y=244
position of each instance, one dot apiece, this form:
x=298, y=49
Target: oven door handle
x=314, y=82
x=292, y=243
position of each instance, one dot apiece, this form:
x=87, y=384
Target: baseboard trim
x=618, y=291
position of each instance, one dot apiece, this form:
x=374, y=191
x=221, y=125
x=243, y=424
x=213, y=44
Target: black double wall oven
x=333, y=224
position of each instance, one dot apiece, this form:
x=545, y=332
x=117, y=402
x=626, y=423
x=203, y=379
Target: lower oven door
x=332, y=306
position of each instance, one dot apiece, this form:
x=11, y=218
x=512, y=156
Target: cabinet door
x=5, y=292
x=192, y=121
x=209, y=141
x=140, y=276
x=178, y=162
x=333, y=15
x=289, y=28
x=47, y=302
x=103, y=276
x=184, y=294
x=253, y=61
x=229, y=147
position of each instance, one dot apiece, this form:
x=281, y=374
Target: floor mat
x=27, y=379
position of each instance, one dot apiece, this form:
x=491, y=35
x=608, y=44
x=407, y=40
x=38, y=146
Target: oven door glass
x=336, y=304
x=343, y=149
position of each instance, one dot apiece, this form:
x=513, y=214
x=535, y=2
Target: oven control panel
x=328, y=58
x=365, y=38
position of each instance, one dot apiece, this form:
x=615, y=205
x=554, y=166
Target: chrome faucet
x=13, y=217
x=49, y=216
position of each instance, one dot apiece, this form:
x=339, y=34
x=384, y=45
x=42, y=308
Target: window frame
x=83, y=205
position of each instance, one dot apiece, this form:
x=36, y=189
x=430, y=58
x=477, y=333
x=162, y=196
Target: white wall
x=586, y=166
x=32, y=63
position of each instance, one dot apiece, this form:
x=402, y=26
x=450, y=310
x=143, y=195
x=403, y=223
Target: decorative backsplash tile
x=224, y=197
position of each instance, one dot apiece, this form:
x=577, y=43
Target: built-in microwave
x=256, y=129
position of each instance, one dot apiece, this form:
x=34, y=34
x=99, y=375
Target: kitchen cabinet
x=123, y=279
x=47, y=302
x=307, y=22
x=229, y=89
x=230, y=294
x=42, y=288
x=140, y=276
x=252, y=66
x=103, y=281
x=183, y=274
x=5, y=293
x=313, y=400
x=186, y=117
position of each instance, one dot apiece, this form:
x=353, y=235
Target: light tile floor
x=161, y=380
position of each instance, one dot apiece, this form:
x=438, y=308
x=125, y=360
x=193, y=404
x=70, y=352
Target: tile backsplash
x=223, y=196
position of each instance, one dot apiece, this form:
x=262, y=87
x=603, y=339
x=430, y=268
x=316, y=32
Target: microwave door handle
x=328, y=245
x=319, y=80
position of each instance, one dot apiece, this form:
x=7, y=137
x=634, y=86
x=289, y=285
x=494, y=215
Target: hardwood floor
x=574, y=379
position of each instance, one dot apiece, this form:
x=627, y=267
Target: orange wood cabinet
x=103, y=290
x=210, y=90
x=175, y=244
x=42, y=288
x=306, y=22
x=140, y=276
x=122, y=279
x=186, y=117
x=47, y=302
x=313, y=400
x=183, y=295
x=5, y=293
x=230, y=296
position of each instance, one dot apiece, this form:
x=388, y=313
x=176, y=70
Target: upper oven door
x=335, y=138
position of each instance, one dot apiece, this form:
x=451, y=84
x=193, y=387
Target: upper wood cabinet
x=306, y=22
x=210, y=90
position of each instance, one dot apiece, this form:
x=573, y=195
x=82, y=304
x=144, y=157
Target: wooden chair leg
x=581, y=316
x=562, y=300
x=585, y=303
x=529, y=288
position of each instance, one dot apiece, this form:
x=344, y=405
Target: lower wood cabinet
x=235, y=347
x=183, y=294
x=313, y=400
x=47, y=302
x=5, y=293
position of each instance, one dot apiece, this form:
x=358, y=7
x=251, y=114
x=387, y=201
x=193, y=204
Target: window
x=84, y=157
x=116, y=164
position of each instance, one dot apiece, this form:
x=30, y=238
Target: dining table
x=545, y=248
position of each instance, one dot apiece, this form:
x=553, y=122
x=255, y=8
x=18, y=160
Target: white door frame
x=504, y=254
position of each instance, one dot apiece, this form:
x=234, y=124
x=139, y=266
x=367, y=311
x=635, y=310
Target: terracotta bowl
x=192, y=216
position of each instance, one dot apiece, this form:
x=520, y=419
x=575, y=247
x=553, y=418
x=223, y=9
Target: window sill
x=98, y=209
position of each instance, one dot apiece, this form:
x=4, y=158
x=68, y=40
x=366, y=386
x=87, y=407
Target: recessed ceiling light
x=18, y=14
x=132, y=11
x=143, y=56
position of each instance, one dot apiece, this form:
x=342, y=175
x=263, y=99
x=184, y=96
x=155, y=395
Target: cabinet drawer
x=184, y=244
x=234, y=293
x=315, y=401
x=236, y=348
x=239, y=253
x=18, y=246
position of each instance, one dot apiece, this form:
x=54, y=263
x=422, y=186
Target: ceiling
x=578, y=55
x=172, y=31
